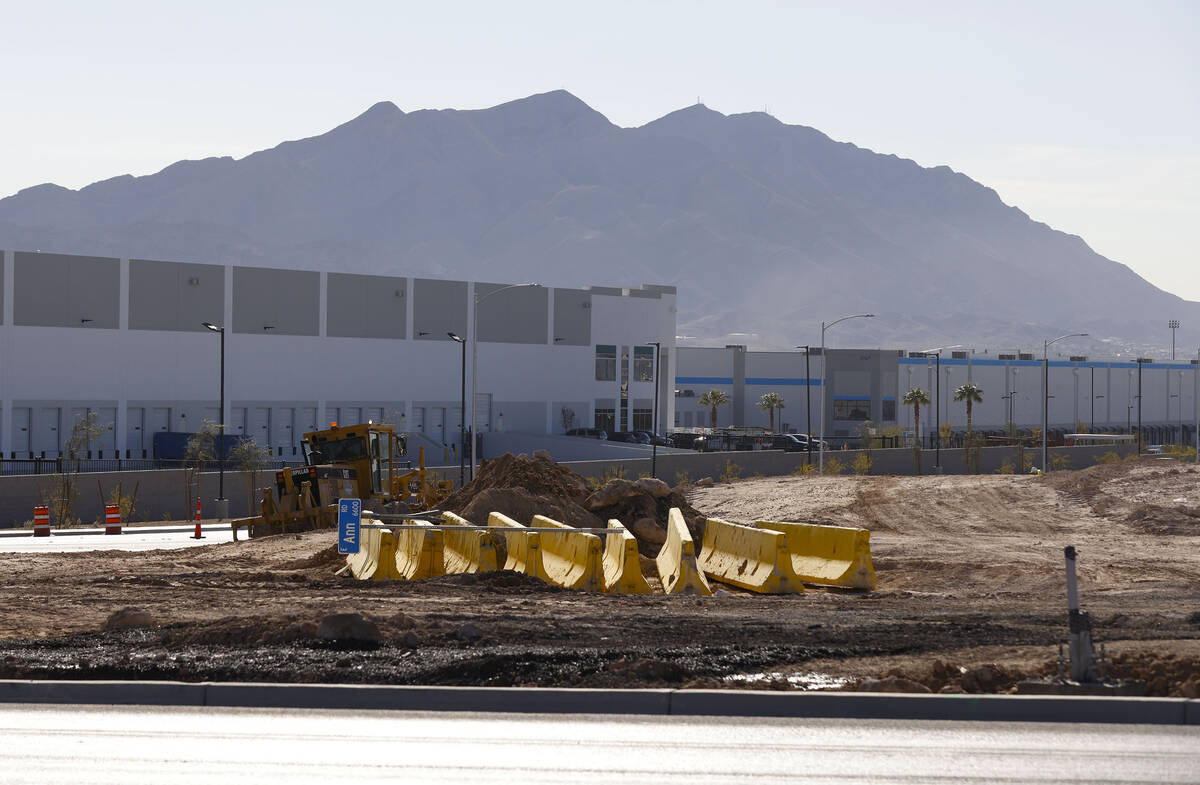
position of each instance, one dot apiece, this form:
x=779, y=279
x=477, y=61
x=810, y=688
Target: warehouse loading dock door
x=48, y=436
x=135, y=430
x=20, y=439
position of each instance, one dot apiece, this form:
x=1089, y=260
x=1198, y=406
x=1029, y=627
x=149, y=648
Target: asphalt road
x=132, y=539
x=100, y=744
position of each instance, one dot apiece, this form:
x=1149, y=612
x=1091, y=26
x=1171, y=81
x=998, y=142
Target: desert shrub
x=609, y=474
x=1060, y=461
x=862, y=463
x=1108, y=457
x=682, y=478
x=1005, y=468
x=834, y=466
x=805, y=470
x=732, y=471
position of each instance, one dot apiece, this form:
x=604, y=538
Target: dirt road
x=970, y=596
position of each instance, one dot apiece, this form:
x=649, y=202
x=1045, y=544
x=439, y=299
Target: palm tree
x=916, y=398
x=970, y=393
x=769, y=403
x=713, y=399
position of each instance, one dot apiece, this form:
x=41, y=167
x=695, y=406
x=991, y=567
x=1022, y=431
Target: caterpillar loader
x=349, y=461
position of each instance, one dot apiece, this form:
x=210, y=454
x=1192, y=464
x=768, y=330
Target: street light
x=222, y=502
x=462, y=407
x=1173, y=325
x=937, y=403
x=824, y=363
x=654, y=414
x=1046, y=389
x=808, y=397
x=475, y=364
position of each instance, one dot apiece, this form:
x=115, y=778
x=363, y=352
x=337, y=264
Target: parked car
x=788, y=443
x=1155, y=449
x=589, y=433
x=624, y=436
x=649, y=438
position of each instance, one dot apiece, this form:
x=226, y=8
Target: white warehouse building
x=1097, y=394
x=124, y=338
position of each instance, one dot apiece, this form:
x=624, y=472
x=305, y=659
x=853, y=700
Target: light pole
x=654, y=414
x=1173, y=325
x=222, y=502
x=808, y=397
x=475, y=364
x=1046, y=389
x=937, y=403
x=1140, y=362
x=462, y=408
x=824, y=364
x=1196, y=407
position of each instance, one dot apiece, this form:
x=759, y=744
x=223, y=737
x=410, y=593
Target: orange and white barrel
x=112, y=519
x=41, y=521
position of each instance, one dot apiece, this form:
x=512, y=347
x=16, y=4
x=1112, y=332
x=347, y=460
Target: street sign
x=349, y=518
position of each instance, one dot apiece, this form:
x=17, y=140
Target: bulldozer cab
x=372, y=450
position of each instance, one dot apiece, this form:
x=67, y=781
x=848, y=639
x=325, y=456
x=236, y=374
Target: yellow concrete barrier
x=754, y=559
x=419, y=551
x=677, y=559
x=524, y=549
x=828, y=555
x=376, y=556
x=571, y=559
x=467, y=550
x=622, y=566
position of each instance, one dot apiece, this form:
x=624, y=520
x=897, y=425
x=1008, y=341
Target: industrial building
x=1095, y=394
x=125, y=338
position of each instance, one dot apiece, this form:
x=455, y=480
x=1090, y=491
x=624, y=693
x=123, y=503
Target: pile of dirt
x=540, y=476
x=520, y=487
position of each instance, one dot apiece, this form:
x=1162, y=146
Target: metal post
x=1092, y=392
x=1046, y=390
x=824, y=364
x=1079, y=624
x=654, y=415
x=808, y=398
x=1139, y=406
x=1196, y=406
x=221, y=432
x=1173, y=325
x=937, y=413
x=462, y=411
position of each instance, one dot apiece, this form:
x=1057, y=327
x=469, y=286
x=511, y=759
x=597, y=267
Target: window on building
x=889, y=410
x=606, y=419
x=851, y=410
x=606, y=363
x=643, y=419
x=643, y=363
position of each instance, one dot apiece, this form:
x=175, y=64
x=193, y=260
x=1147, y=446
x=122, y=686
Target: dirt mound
x=538, y=476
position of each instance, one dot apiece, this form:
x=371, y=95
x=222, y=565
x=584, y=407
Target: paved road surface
x=54, y=744
x=131, y=540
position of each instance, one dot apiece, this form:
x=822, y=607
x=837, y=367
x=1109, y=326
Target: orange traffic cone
x=197, y=509
x=197, y=535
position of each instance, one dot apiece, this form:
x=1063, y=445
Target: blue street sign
x=349, y=518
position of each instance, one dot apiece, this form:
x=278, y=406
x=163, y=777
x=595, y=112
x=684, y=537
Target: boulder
x=543, y=455
x=648, y=530
x=348, y=628
x=655, y=487
x=612, y=493
x=984, y=679
x=704, y=482
x=469, y=633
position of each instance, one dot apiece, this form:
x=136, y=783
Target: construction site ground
x=971, y=596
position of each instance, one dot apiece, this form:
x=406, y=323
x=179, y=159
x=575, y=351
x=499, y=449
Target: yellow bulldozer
x=349, y=461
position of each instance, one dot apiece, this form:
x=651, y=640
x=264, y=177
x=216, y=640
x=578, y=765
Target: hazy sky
x=1083, y=114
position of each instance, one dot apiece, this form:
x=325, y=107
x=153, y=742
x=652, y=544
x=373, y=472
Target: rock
x=985, y=678
x=543, y=455
x=403, y=621
x=655, y=487
x=704, y=482
x=1190, y=689
x=612, y=493
x=469, y=633
x=892, y=684
x=411, y=640
x=129, y=619
x=950, y=689
x=298, y=631
x=348, y=628
x=648, y=530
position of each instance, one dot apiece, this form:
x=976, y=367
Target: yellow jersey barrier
x=467, y=550
x=376, y=556
x=524, y=549
x=754, y=559
x=677, y=560
x=828, y=555
x=419, y=551
x=571, y=559
x=622, y=565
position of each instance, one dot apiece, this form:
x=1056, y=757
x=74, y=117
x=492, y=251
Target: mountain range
x=766, y=229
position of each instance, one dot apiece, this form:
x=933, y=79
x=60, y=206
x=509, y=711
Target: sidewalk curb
x=727, y=703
